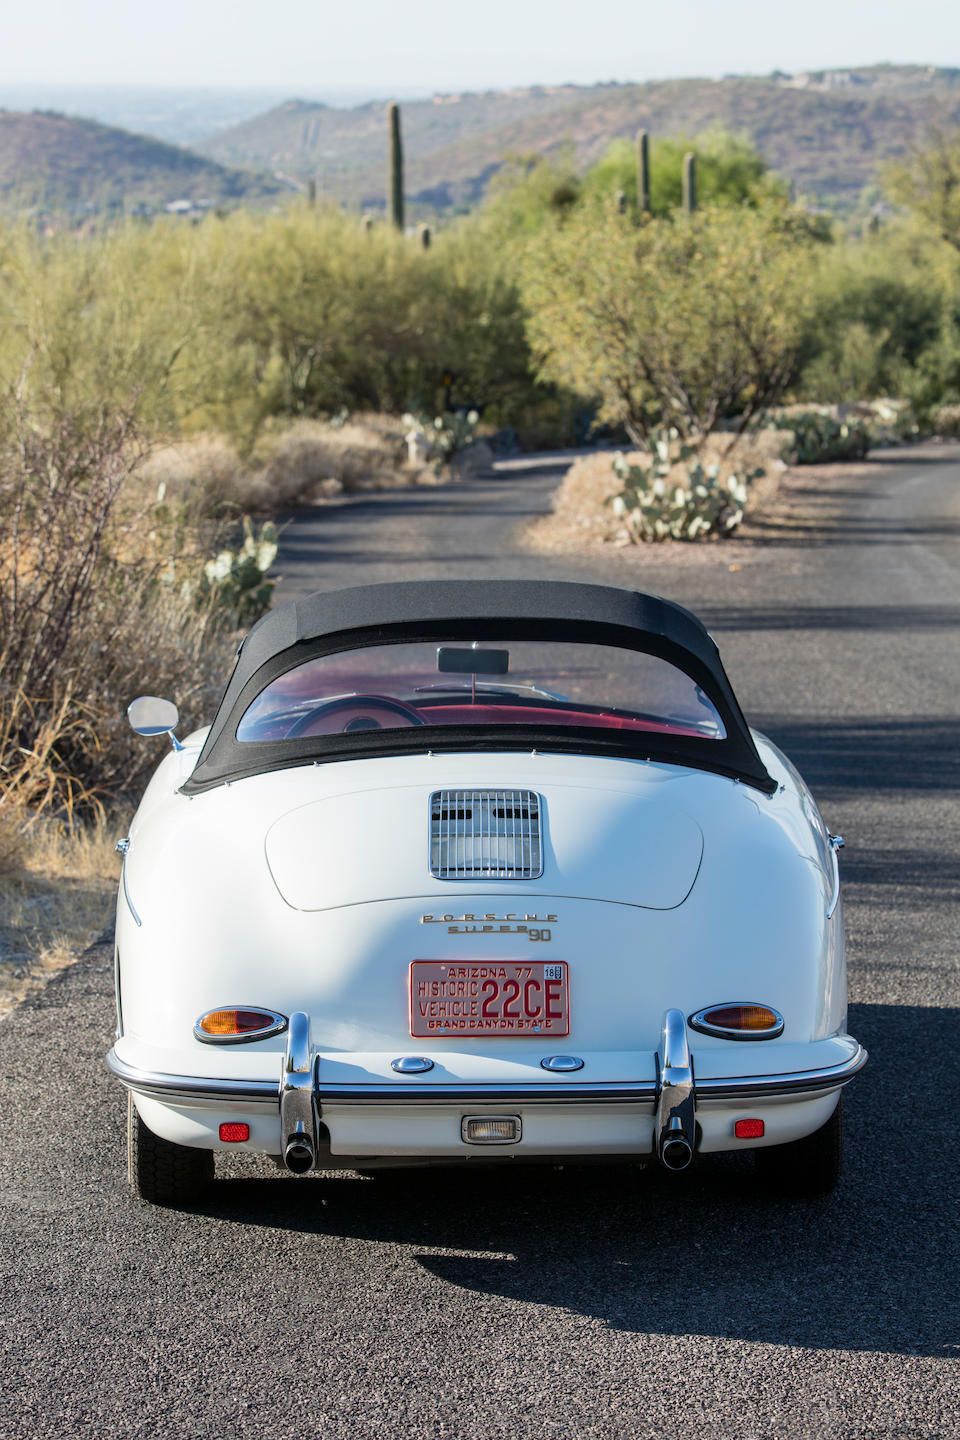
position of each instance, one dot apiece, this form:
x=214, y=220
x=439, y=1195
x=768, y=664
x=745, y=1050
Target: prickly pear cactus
x=444, y=435
x=236, y=580
x=655, y=504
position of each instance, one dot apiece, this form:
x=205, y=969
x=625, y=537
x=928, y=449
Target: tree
x=674, y=322
x=531, y=191
x=930, y=184
x=730, y=171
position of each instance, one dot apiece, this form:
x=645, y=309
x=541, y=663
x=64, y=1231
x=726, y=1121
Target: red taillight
x=743, y=1129
x=234, y=1130
x=238, y=1022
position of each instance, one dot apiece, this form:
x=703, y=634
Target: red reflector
x=743, y=1129
x=234, y=1130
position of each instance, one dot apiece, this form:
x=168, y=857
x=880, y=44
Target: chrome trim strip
x=739, y=1087
x=798, y=1082
x=535, y=1094
x=190, y=1087
x=277, y=1025
x=126, y=896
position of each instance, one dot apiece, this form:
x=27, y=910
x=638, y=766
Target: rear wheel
x=159, y=1170
x=806, y=1167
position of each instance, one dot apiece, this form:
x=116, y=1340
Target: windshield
x=481, y=682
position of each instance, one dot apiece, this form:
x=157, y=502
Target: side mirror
x=149, y=715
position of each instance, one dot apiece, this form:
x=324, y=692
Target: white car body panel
x=308, y=891
x=761, y=868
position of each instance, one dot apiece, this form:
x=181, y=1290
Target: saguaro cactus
x=689, y=182
x=425, y=235
x=643, y=172
x=311, y=192
x=395, y=167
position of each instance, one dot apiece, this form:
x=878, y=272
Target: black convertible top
x=366, y=615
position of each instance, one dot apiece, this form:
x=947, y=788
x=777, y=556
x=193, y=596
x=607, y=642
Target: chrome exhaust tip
x=676, y=1152
x=298, y=1155
x=298, y=1110
x=676, y=1122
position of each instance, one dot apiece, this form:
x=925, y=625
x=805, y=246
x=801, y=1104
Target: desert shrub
x=928, y=182
x=295, y=458
x=946, y=421
x=819, y=438
x=306, y=316
x=91, y=611
x=251, y=316
x=877, y=306
x=675, y=324
x=673, y=495
x=202, y=476
x=730, y=171
x=528, y=192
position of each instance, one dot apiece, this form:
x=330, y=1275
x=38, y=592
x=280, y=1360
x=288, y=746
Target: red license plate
x=470, y=998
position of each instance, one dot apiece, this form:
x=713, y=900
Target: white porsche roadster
x=478, y=872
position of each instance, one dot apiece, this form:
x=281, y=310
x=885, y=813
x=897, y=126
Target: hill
x=54, y=162
x=828, y=131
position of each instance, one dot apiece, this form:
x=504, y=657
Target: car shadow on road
x=704, y=1253
x=871, y=754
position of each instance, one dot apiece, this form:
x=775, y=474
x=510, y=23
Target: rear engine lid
x=628, y=847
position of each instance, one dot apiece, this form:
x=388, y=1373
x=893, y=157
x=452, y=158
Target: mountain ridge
x=827, y=131
x=55, y=162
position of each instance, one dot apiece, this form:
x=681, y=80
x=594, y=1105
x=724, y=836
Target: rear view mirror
x=453, y=661
x=149, y=715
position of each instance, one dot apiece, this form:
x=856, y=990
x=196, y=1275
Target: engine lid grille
x=485, y=835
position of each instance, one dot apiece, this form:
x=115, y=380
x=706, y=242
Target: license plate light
x=491, y=1129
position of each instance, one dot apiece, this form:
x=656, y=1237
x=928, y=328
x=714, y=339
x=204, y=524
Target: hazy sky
x=325, y=45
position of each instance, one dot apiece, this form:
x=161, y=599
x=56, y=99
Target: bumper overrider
x=675, y=1099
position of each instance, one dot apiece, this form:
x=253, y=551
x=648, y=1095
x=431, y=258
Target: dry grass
x=582, y=518
x=56, y=890
x=293, y=463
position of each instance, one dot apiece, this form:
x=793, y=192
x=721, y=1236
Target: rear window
x=481, y=682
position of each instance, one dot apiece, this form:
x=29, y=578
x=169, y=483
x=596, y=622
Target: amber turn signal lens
x=742, y=1017
x=232, y=1023
x=739, y=1022
x=235, y=1022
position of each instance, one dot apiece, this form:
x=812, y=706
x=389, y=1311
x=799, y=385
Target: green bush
x=878, y=306
x=819, y=438
x=677, y=323
x=730, y=171
x=225, y=324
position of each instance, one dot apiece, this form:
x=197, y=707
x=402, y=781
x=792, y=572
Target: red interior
x=277, y=728
x=535, y=715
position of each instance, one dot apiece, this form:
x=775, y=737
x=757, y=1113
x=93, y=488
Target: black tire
x=804, y=1168
x=159, y=1170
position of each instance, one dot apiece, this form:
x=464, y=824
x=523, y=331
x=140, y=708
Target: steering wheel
x=315, y=722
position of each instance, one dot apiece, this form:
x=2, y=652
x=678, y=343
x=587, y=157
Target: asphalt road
x=566, y=1304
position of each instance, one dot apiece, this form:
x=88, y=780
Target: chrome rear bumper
x=301, y=1093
